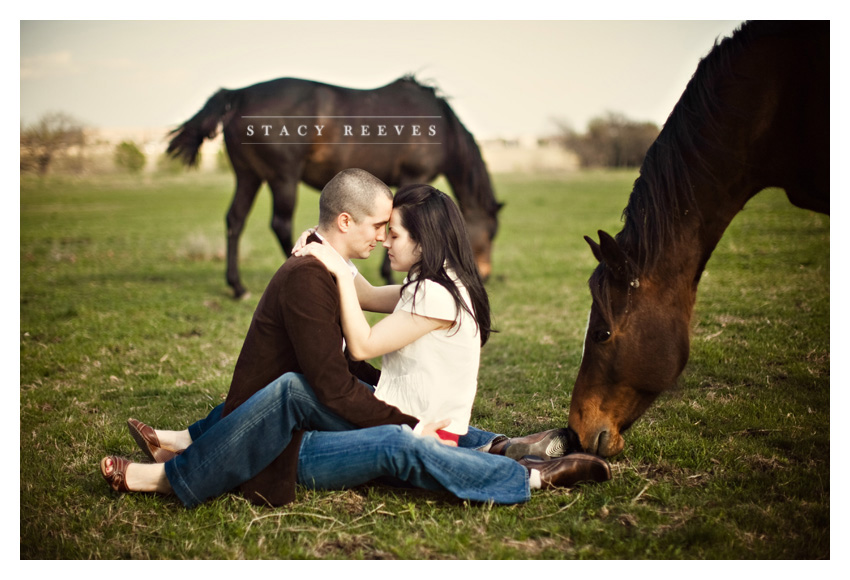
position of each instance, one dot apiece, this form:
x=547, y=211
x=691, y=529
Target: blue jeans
x=231, y=450
x=227, y=451
x=336, y=460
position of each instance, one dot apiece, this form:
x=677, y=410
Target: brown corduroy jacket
x=296, y=328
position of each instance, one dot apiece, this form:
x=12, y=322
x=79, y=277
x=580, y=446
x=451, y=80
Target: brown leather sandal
x=117, y=480
x=148, y=442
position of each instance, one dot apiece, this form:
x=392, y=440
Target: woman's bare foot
x=174, y=440
x=123, y=475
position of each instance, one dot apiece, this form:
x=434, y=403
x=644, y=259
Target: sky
x=502, y=78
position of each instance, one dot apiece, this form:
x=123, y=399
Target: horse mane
x=664, y=192
x=472, y=171
x=469, y=171
x=429, y=86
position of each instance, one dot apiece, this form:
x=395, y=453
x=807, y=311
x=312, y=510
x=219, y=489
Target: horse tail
x=186, y=140
x=467, y=165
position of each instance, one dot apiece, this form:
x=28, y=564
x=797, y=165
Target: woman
x=431, y=344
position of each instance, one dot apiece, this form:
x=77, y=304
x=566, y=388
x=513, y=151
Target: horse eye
x=601, y=335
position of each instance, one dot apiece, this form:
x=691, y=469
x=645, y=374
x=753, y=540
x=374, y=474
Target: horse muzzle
x=485, y=269
x=600, y=442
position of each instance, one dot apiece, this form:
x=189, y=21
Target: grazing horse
x=754, y=115
x=290, y=130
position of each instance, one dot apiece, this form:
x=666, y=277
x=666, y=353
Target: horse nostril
x=602, y=442
x=573, y=441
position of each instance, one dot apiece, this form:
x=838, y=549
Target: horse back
x=789, y=68
x=393, y=132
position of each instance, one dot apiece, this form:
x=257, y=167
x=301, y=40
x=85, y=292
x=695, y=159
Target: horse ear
x=594, y=247
x=613, y=256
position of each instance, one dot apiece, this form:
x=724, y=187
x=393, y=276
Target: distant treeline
x=610, y=141
x=59, y=142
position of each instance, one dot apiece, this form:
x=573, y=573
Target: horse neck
x=467, y=174
x=465, y=169
x=698, y=209
x=717, y=214
x=697, y=177
x=738, y=125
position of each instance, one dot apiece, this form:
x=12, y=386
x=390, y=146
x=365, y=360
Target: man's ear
x=344, y=221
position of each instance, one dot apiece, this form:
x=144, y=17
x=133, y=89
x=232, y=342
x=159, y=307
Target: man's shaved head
x=351, y=191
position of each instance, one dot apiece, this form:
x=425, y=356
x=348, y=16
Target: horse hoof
x=240, y=294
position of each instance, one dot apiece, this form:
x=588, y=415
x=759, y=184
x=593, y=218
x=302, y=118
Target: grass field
x=124, y=313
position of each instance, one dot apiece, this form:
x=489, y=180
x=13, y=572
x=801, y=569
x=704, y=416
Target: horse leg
x=284, y=192
x=247, y=186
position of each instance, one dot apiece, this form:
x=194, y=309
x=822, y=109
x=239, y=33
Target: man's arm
x=364, y=371
x=309, y=302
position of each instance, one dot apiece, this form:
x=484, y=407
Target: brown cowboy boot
x=568, y=470
x=549, y=444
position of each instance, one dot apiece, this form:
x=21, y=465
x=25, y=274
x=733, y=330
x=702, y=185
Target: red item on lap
x=446, y=436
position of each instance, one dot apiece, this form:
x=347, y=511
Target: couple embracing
x=305, y=408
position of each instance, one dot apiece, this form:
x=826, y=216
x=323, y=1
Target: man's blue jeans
x=228, y=451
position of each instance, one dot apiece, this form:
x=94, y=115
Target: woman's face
x=401, y=249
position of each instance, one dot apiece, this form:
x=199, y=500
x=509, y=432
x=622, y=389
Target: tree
x=169, y=165
x=51, y=136
x=611, y=141
x=128, y=156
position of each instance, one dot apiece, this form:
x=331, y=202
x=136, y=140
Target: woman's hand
x=327, y=256
x=430, y=430
x=302, y=240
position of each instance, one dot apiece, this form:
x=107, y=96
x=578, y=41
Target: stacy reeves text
x=262, y=132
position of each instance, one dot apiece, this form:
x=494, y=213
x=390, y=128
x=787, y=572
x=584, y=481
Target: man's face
x=364, y=235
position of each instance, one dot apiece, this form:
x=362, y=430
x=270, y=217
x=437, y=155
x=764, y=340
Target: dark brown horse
x=290, y=130
x=754, y=115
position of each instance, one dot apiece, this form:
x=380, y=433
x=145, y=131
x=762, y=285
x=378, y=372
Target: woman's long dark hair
x=434, y=222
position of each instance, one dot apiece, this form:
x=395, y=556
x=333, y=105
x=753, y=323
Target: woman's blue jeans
x=334, y=454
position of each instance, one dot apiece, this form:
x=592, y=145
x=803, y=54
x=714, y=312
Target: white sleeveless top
x=436, y=376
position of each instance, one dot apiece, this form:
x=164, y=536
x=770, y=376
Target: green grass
x=124, y=312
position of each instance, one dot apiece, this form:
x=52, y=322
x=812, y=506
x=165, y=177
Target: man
x=296, y=332
x=296, y=327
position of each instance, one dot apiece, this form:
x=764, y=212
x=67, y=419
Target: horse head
x=635, y=347
x=481, y=227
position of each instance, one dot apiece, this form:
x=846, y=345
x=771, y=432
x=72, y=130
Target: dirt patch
x=352, y=546
x=345, y=502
